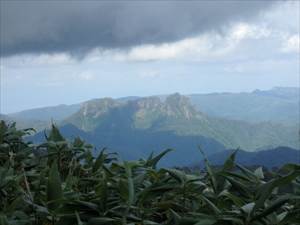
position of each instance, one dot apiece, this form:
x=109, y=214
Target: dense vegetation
x=60, y=182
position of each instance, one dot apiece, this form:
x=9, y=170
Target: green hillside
x=176, y=114
x=89, y=116
x=58, y=113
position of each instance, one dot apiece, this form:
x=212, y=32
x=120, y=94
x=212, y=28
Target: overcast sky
x=67, y=52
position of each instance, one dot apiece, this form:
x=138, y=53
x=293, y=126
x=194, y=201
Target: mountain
x=278, y=105
x=57, y=113
x=38, y=125
x=89, y=116
x=136, y=126
x=177, y=115
x=269, y=158
x=41, y=118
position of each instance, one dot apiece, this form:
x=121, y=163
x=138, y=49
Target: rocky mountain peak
x=177, y=99
x=147, y=103
x=97, y=107
x=179, y=106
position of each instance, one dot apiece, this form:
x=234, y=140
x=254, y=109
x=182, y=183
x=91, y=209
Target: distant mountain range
x=135, y=126
x=276, y=157
x=58, y=113
x=278, y=105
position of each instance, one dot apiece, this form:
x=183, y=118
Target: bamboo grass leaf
x=54, y=188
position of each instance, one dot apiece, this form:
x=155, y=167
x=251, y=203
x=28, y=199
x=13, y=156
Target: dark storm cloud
x=78, y=26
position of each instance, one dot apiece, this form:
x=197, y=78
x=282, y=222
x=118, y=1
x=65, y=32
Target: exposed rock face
x=179, y=106
x=146, y=104
x=144, y=111
x=97, y=107
x=148, y=111
x=90, y=114
x=111, y=118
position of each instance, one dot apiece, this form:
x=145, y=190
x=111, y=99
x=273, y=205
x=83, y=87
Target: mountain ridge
x=277, y=105
x=176, y=114
x=139, y=125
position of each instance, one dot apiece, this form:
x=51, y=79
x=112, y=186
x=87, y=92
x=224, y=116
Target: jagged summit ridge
x=144, y=112
x=97, y=107
x=175, y=105
x=180, y=106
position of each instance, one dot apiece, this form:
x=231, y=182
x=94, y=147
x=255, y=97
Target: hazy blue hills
x=57, y=113
x=41, y=118
x=269, y=158
x=38, y=125
x=278, y=105
x=132, y=144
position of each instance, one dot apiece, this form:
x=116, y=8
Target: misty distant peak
x=281, y=92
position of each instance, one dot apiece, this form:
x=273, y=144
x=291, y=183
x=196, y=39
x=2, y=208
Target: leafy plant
x=61, y=182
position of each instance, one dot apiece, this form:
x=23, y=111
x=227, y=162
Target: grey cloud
x=79, y=26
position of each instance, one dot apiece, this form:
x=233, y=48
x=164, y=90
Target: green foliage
x=60, y=182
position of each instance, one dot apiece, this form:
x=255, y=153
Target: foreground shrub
x=60, y=182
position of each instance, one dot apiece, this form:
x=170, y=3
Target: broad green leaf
x=54, y=188
x=152, y=162
x=100, y=221
x=229, y=163
x=100, y=160
x=131, y=192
